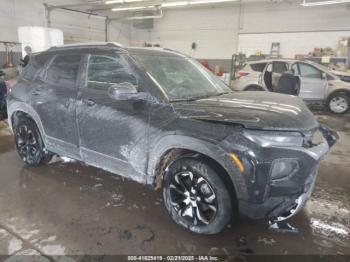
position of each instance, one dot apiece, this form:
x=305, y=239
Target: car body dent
x=270, y=111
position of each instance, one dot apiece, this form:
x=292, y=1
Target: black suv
x=158, y=117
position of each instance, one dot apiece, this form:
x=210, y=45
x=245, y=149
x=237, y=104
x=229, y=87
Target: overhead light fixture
x=120, y=9
x=331, y=2
x=174, y=4
x=195, y=2
x=109, y=2
x=165, y=4
x=199, y=2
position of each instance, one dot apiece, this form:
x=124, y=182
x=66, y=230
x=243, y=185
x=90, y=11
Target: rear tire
x=196, y=197
x=339, y=103
x=29, y=143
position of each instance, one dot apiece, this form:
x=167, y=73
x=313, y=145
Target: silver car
x=316, y=84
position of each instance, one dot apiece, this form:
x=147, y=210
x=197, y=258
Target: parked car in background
x=315, y=83
x=7, y=80
x=3, y=93
x=160, y=118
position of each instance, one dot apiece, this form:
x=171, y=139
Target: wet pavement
x=68, y=208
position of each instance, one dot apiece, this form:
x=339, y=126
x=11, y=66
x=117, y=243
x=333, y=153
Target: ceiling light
x=174, y=4
x=332, y=2
x=129, y=8
x=209, y=1
x=121, y=1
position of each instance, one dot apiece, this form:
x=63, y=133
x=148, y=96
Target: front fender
x=209, y=149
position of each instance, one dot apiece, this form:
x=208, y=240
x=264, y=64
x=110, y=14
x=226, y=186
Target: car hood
x=255, y=110
x=339, y=84
x=340, y=73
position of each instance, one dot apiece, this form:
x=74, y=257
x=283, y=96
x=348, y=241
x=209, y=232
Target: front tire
x=339, y=103
x=29, y=143
x=196, y=197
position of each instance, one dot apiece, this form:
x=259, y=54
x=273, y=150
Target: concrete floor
x=67, y=208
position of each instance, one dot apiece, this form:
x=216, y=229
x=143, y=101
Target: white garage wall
x=219, y=33
x=212, y=29
x=76, y=27
x=291, y=43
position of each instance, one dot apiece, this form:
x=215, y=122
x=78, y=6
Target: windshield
x=181, y=78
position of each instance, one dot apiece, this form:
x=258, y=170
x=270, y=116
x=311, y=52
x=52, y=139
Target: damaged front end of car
x=280, y=170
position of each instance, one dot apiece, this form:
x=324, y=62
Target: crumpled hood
x=256, y=110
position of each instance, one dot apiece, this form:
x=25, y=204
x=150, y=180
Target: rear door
x=54, y=99
x=312, y=83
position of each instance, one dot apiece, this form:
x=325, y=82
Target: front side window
x=64, y=70
x=181, y=78
x=104, y=71
x=309, y=71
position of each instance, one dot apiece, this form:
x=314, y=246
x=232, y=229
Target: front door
x=312, y=82
x=113, y=132
x=54, y=99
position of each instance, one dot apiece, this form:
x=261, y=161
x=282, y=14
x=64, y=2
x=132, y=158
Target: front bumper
x=280, y=199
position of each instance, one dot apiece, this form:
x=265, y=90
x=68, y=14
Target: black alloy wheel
x=193, y=198
x=196, y=196
x=29, y=143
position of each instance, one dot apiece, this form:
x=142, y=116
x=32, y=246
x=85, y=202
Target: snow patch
x=14, y=246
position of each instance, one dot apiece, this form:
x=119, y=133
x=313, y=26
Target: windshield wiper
x=190, y=98
x=194, y=98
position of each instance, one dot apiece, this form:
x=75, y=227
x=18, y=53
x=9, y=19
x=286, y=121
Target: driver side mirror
x=122, y=91
x=324, y=75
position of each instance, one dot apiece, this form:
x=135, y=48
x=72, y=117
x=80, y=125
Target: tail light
x=242, y=74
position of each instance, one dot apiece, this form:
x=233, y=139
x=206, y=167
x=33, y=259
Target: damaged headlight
x=283, y=167
x=274, y=139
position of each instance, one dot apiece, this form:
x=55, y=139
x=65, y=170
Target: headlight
x=283, y=167
x=277, y=139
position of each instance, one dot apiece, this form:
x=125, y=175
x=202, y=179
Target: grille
x=313, y=139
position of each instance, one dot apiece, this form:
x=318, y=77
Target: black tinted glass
x=103, y=71
x=36, y=62
x=279, y=67
x=258, y=67
x=63, y=71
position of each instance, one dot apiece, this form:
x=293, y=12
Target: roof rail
x=89, y=44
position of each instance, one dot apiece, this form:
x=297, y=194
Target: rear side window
x=280, y=67
x=103, y=71
x=258, y=67
x=63, y=70
x=36, y=63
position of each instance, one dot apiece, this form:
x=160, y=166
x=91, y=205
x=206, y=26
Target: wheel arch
x=166, y=151
x=341, y=90
x=16, y=110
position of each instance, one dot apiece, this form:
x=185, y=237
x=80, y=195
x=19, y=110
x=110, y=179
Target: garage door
x=78, y=27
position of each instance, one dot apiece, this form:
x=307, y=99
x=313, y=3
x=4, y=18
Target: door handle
x=36, y=92
x=89, y=102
